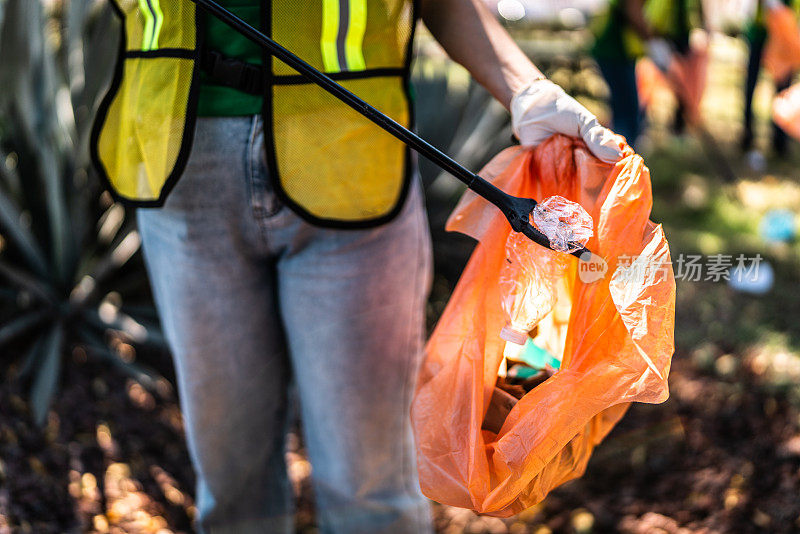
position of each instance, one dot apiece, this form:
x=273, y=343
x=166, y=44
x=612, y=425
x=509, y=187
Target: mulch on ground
x=722, y=455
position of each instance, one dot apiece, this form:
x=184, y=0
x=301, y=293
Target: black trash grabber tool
x=516, y=210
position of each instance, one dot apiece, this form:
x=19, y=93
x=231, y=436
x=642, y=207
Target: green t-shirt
x=218, y=100
x=672, y=19
x=756, y=30
x=609, y=43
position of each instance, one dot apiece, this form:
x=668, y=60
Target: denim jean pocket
x=263, y=199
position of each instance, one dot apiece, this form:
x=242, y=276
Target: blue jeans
x=620, y=75
x=251, y=298
x=779, y=139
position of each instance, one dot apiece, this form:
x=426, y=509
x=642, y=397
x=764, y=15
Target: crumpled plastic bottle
x=565, y=223
x=528, y=277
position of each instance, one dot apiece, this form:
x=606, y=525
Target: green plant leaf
x=155, y=335
x=141, y=332
x=32, y=88
x=45, y=382
x=21, y=324
x=95, y=346
x=31, y=358
x=9, y=175
x=8, y=294
x=100, y=266
x=24, y=280
x=98, y=54
x=2, y=14
x=13, y=229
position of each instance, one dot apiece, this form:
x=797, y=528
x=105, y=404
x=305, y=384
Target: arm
x=634, y=14
x=471, y=36
x=539, y=108
x=659, y=49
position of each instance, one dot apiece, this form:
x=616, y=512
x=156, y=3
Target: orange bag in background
x=786, y=110
x=782, y=50
x=649, y=81
x=686, y=79
x=688, y=75
x=614, y=336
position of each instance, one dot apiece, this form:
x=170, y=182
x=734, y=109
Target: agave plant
x=65, y=247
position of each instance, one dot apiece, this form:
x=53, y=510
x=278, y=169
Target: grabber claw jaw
x=518, y=212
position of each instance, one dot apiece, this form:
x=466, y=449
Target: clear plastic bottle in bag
x=527, y=286
x=528, y=277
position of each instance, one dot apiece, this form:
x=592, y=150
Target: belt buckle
x=227, y=71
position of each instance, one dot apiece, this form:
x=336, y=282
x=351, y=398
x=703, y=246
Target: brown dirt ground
x=722, y=455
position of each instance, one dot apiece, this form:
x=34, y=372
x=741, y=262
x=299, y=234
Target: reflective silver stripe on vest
x=153, y=20
x=344, y=23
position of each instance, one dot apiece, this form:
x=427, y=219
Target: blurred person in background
x=630, y=29
x=286, y=238
x=755, y=34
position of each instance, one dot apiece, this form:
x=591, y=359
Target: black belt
x=223, y=70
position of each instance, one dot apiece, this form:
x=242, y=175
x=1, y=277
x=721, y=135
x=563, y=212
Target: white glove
x=660, y=51
x=543, y=109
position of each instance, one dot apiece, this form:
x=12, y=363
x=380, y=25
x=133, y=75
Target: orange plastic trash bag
x=686, y=79
x=688, y=75
x=613, y=334
x=786, y=110
x=782, y=50
x=649, y=82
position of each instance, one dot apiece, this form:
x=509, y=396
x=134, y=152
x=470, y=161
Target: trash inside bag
x=499, y=444
x=782, y=50
x=566, y=224
x=527, y=280
x=786, y=110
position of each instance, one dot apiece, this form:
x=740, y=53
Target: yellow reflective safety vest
x=327, y=162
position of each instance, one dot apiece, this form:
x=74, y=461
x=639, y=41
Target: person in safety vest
x=755, y=33
x=630, y=29
x=287, y=242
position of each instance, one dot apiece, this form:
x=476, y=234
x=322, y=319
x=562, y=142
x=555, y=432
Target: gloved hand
x=543, y=109
x=660, y=51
